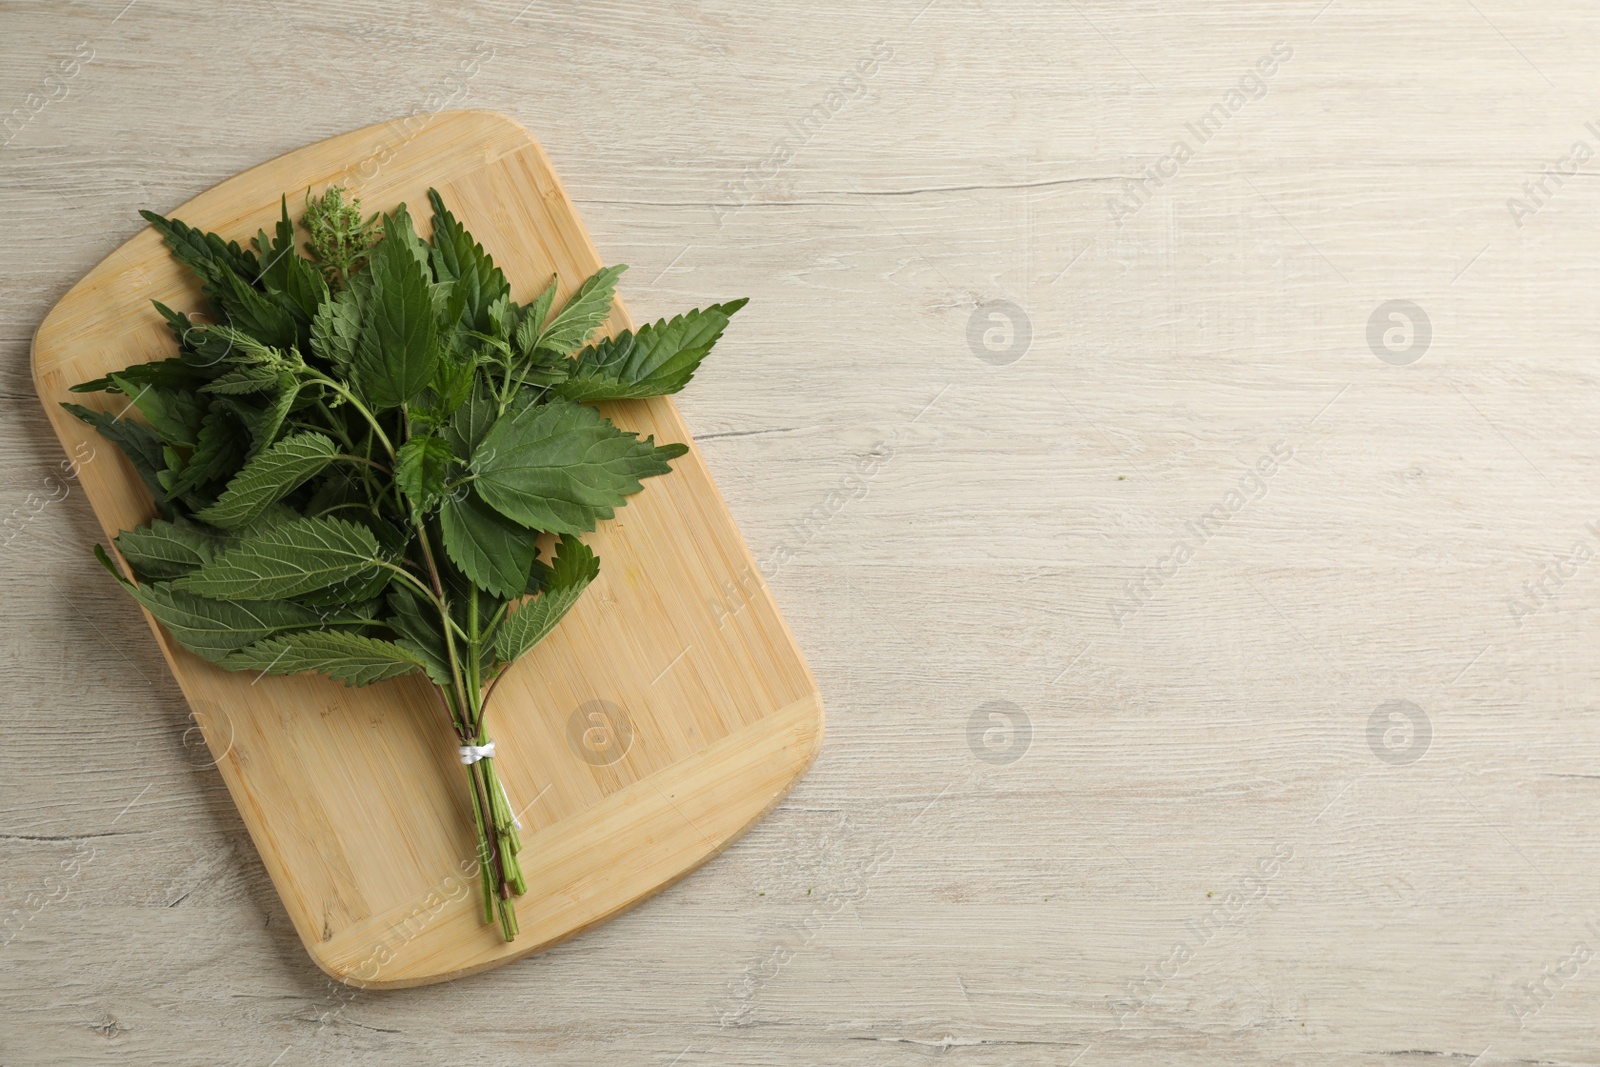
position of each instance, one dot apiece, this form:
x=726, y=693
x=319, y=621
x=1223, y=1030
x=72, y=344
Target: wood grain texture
x=911, y=901
x=650, y=701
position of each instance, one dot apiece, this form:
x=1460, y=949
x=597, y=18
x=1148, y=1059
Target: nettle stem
x=500, y=874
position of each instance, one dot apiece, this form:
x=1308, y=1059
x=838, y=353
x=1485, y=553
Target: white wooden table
x=1208, y=640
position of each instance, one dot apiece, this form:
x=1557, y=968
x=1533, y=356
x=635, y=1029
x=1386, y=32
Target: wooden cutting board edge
x=798, y=728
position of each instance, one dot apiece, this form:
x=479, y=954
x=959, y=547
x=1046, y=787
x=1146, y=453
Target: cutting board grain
x=667, y=713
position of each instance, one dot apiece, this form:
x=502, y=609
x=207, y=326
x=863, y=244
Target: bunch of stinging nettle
x=354, y=461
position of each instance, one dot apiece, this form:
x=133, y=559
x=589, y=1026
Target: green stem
x=334, y=423
x=372, y=420
x=341, y=507
x=485, y=849
x=374, y=464
x=407, y=575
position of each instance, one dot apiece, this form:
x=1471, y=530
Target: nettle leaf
x=453, y=381
x=265, y=426
x=457, y=257
x=218, y=453
x=399, y=228
x=284, y=271
x=272, y=318
x=174, y=414
x=586, y=312
x=336, y=329
x=204, y=253
x=291, y=560
x=165, y=550
x=491, y=550
x=399, y=351
x=544, y=369
x=243, y=380
x=138, y=442
x=214, y=628
x=533, y=318
x=471, y=422
x=268, y=478
x=345, y=657
x=659, y=359
x=420, y=467
x=363, y=589
x=561, y=467
x=574, y=568
x=503, y=316
x=230, y=345
x=419, y=632
x=163, y=373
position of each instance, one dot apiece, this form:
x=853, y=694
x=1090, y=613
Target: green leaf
x=172, y=413
x=164, y=550
x=503, y=315
x=163, y=373
x=588, y=309
x=265, y=426
x=418, y=630
x=399, y=349
x=138, y=442
x=218, y=453
x=533, y=318
x=420, y=467
x=228, y=344
x=177, y=322
x=284, y=271
x=268, y=478
x=347, y=596
x=560, y=466
x=344, y=657
x=453, y=381
x=491, y=550
x=291, y=560
x=470, y=422
x=659, y=359
x=243, y=380
x=340, y=489
x=204, y=253
x=459, y=258
x=270, y=317
x=546, y=368
x=574, y=568
x=336, y=329
x=399, y=228
x=214, y=628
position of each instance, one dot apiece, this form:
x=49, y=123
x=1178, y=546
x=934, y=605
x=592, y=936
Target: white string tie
x=471, y=754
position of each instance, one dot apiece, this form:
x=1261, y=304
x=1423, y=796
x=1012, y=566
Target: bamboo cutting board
x=666, y=714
